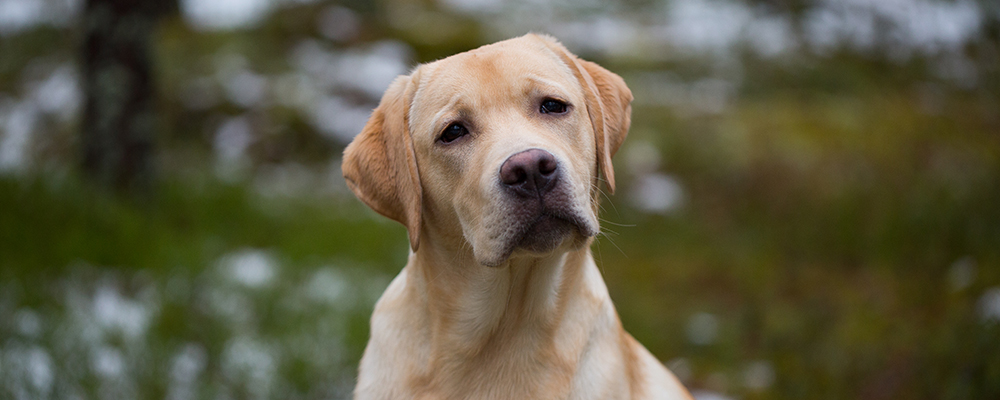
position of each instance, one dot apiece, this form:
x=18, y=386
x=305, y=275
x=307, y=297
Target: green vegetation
x=837, y=233
x=828, y=242
x=822, y=247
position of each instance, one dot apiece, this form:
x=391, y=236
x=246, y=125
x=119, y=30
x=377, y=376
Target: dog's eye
x=453, y=132
x=552, y=106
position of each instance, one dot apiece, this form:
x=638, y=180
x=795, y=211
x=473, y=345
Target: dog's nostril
x=515, y=176
x=529, y=171
x=547, y=164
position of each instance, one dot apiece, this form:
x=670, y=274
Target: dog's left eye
x=552, y=106
x=453, y=132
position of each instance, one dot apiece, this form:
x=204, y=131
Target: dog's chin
x=546, y=234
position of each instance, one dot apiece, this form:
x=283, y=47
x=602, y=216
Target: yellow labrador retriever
x=491, y=159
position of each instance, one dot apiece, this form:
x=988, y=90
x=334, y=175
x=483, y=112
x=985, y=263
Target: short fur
x=476, y=314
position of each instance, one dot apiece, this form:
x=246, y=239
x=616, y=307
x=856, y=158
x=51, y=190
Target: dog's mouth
x=543, y=232
x=548, y=230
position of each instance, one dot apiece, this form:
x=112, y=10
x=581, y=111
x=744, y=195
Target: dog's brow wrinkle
x=546, y=82
x=449, y=112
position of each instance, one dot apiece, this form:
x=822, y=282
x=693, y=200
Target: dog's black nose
x=529, y=173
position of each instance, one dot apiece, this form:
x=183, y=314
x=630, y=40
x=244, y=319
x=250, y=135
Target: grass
x=60, y=222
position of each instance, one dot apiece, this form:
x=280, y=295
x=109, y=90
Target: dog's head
x=498, y=149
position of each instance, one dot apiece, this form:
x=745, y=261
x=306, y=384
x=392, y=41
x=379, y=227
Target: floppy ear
x=609, y=104
x=380, y=166
x=614, y=99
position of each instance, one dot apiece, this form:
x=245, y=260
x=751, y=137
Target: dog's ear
x=614, y=100
x=609, y=104
x=380, y=165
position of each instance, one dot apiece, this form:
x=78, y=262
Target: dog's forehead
x=497, y=70
x=509, y=58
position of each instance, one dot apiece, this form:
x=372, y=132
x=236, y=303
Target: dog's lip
x=571, y=217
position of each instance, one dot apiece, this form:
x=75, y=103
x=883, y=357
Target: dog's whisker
x=605, y=230
x=616, y=223
x=614, y=244
x=611, y=202
x=608, y=233
x=600, y=259
x=597, y=187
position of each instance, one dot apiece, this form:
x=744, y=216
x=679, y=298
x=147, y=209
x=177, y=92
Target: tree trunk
x=119, y=121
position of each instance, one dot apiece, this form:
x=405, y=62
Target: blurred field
x=806, y=224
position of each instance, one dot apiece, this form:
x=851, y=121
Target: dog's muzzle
x=543, y=214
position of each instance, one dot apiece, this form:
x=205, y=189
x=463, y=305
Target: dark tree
x=119, y=121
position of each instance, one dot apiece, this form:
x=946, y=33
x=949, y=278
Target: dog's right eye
x=453, y=132
x=552, y=106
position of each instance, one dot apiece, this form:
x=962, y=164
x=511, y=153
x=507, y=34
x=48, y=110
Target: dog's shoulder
x=655, y=380
x=392, y=354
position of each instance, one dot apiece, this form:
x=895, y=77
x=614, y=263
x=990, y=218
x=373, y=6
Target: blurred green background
x=808, y=206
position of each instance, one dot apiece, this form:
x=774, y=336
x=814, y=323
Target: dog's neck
x=475, y=310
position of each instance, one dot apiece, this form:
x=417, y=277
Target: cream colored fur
x=471, y=316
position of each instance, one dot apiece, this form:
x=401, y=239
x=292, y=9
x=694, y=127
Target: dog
x=492, y=160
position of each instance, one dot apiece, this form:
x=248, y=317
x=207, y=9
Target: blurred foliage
x=836, y=232
x=824, y=245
